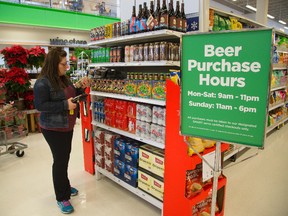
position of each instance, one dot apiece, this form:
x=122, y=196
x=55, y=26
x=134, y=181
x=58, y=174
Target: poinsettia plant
x=15, y=56
x=2, y=76
x=36, y=56
x=28, y=98
x=17, y=81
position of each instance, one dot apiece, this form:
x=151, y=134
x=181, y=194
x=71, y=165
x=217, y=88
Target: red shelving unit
x=177, y=162
x=87, y=134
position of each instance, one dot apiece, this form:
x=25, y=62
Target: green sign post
x=225, y=85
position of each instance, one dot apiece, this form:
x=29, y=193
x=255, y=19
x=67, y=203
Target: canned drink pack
x=135, y=53
x=127, y=53
x=140, y=52
x=146, y=52
x=132, y=53
x=151, y=52
x=156, y=51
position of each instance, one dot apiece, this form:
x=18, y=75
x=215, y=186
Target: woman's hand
x=71, y=105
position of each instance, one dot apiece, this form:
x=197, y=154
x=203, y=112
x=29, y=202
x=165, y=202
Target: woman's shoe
x=65, y=207
x=74, y=191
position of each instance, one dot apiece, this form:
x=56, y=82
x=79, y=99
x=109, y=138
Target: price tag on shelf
x=207, y=172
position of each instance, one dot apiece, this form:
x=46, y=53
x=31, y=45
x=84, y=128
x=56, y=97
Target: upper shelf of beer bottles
x=163, y=34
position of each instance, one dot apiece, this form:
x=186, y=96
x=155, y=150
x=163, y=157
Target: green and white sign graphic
x=225, y=84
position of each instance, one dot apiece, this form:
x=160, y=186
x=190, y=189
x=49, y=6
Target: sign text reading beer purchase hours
x=222, y=66
x=225, y=85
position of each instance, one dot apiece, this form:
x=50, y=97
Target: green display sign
x=225, y=85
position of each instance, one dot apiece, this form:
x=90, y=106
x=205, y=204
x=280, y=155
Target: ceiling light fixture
x=251, y=7
x=285, y=27
x=255, y=9
x=282, y=22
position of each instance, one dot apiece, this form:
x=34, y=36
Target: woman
x=53, y=93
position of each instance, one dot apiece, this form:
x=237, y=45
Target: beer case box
x=119, y=169
x=108, y=153
x=99, y=135
x=109, y=165
x=151, y=183
x=132, y=154
x=130, y=87
x=144, y=181
x=131, y=175
x=146, y=156
x=110, y=139
x=108, y=31
x=99, y=148
x=100, y=161
x=144, y=88
x=158, y=90
x=158, y=162
x=157, y=188
x=119, y=149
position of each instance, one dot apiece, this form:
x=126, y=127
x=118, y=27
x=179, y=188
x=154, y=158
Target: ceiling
x=276, y=8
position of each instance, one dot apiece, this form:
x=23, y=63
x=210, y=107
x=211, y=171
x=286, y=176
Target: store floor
x=255, y=187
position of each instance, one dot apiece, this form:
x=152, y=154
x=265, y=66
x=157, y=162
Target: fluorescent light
x=255, y=9
x=282, y=22
x=234, y=0
x=251, y=7
x=285, y=27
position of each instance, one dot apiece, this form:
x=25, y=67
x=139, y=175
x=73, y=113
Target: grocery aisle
x=256, y=187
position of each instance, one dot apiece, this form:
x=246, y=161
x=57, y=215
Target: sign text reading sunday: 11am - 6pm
x=222, y=66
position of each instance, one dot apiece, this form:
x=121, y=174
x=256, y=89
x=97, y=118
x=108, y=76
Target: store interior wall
x=16, y=34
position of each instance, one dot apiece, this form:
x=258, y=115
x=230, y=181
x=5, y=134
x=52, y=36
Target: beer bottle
x=151, y=11
x=132, y=28
x=157, y=15
x=172, y=17
x=138, y=19
x=150, y=17
x=164, y=16
x=144, y=18
x=184, y=20
x=178, y=17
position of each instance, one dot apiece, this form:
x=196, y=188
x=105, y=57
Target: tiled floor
x=256, y=187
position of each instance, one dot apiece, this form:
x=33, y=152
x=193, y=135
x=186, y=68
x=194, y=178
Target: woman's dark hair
x=50, y=68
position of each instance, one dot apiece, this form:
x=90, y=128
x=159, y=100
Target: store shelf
x=140, y=37
x=134, y=190
x=129, y=98
x=279, y=68
x=276, y=106
x=270, y=128
x=233, y=152
x=137, y=64
x=278, y=88
x=280, y=51
x=239, y=17
x=130, y=135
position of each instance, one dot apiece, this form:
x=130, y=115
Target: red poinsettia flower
x=29, y=96
x=17, y=80
x=15, y=56
x=2, y=77
x=36, y=56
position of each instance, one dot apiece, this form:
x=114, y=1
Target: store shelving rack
x=172, y=97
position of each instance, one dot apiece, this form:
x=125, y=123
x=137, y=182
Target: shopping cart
x=12, y=130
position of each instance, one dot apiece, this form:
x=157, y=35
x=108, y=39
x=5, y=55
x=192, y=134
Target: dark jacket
x=52, y=104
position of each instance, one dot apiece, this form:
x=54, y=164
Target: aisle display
x=133, y=112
